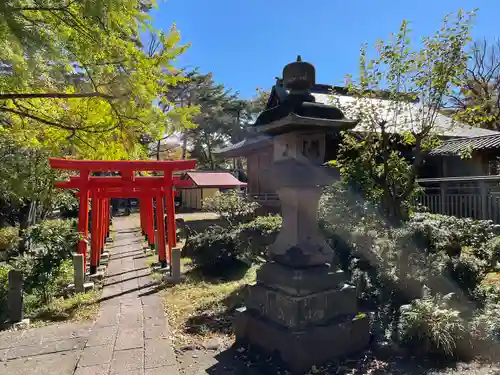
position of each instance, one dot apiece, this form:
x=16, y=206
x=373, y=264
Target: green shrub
x=65, y=276
x=270, y=224
x=9, y=239
x=449, y=233
x=257, y=235
x=231, y=206
x=485, y=326
x=490, y=252
x=488, y=290
x=247, y=241
x=4, y=288
x=214, y=247
x=430, y=326
x=54, y=242
x=467, y=271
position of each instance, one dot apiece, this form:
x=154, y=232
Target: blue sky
x=246, y=43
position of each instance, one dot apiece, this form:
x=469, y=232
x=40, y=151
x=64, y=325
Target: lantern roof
x=297, y=108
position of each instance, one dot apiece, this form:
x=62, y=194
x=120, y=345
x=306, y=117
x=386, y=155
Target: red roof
x=215, y=179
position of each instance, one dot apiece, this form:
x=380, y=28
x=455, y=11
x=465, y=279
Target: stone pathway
x=130, y=336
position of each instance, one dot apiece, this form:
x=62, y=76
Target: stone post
x=79, y=273
x=15, y=296
x=176, y=265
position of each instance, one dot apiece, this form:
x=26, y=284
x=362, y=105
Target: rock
x=22, y=325
x=212, y=344
x=186, y=348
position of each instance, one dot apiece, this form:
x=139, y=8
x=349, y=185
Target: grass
x=203, y=305
x=75, y=308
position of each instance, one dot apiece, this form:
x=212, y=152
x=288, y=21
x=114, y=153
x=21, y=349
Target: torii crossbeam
x=102, y=188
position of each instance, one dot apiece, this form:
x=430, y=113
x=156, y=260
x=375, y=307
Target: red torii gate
x=102, y=188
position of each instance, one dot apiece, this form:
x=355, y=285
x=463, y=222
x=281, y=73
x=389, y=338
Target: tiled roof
x=457, y=146
x=246, y=144
x=407, y=112
x=215, y=179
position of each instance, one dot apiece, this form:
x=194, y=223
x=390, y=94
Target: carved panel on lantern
x=285, y=146
x=313, y=147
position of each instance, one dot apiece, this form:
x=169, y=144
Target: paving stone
x=96, y=355
x=108, y=281
x=109, y=317
x=158, y=352
x=54, y=364
x=130, y=304
x=19, y=338
x=127, y=360
x=46, y=348
x=58, y=332
x=131, y=318
x=155, y=333
x=164, y=370
x=3, y=354
x=153, y=311
x=93, y=370
x=130, y=285
x=103, y=336
x=112, y=291
x=131, y=372
x=130, y=338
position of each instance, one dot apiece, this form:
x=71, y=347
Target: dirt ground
x=239, y=361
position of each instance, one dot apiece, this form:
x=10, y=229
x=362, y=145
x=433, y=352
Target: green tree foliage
x=27, y=185
x=221, y=119
x=477, y=101
x=83, y=77
x=416, y=82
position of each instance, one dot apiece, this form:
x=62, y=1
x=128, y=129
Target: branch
x=58, y=95
x=40, y=9
x=52, y=123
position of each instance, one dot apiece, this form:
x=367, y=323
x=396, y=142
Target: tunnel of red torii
x=100, y=189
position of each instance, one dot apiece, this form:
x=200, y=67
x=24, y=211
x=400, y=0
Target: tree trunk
x=184, y=146
x=210, y=156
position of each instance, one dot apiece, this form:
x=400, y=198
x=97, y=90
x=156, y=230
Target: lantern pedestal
x=301, y=305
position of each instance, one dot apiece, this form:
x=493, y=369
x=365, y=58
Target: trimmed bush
x=214, y=247
x=257, y=235
x=270, y=224
x=246, y=242
x=449, y=234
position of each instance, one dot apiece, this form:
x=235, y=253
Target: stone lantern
x=301, y=305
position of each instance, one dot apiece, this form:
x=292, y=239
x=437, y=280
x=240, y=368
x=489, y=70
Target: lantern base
x=308, y=315
x=302, y=349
